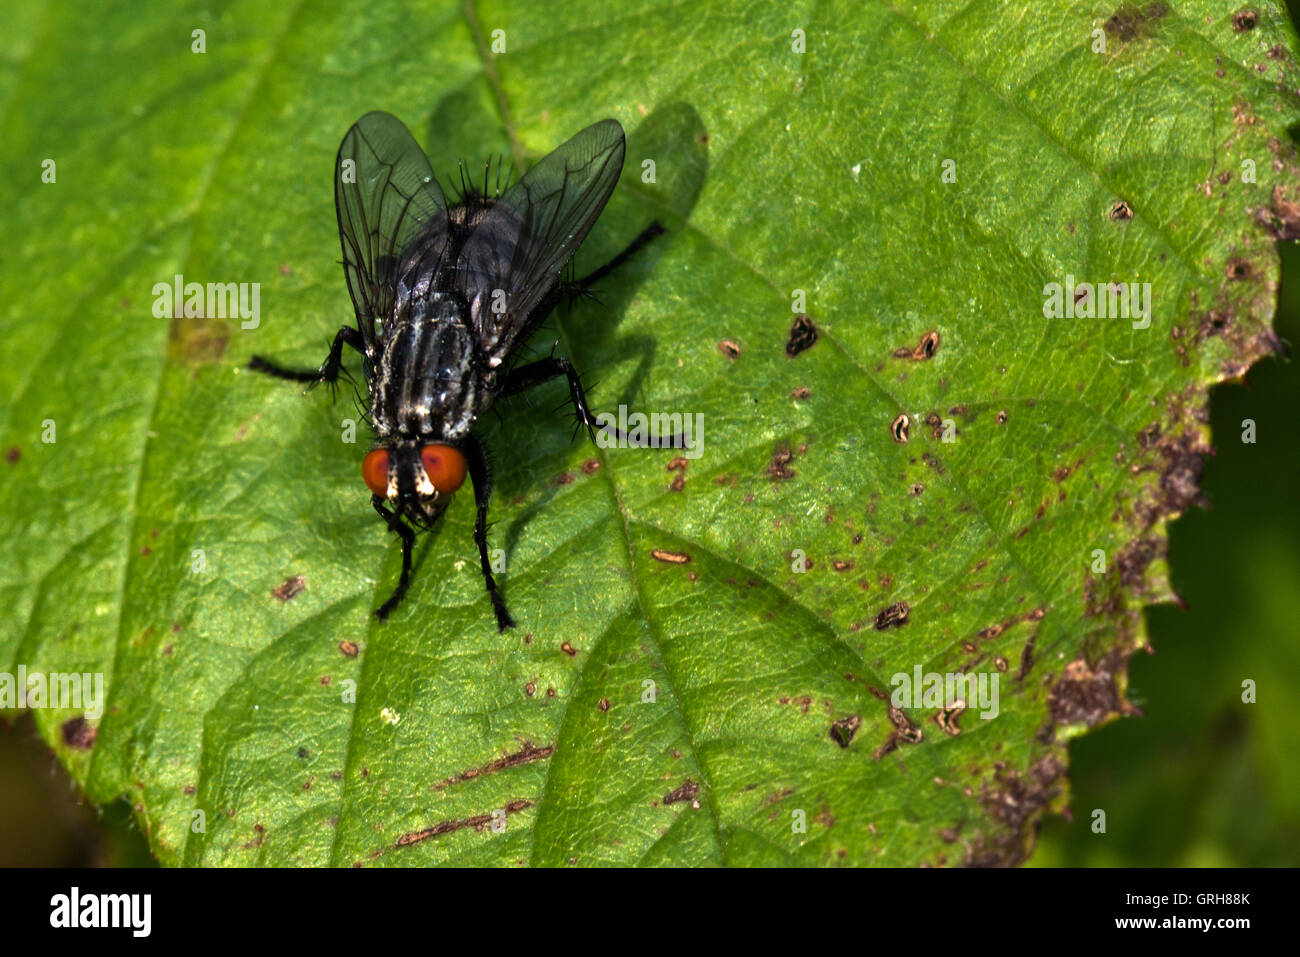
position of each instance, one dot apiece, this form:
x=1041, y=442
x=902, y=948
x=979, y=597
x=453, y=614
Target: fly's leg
x=647, y=234
x=536, y=373
x=581, y=288
x=407, y=534
x=329, y=369
x=479, y=473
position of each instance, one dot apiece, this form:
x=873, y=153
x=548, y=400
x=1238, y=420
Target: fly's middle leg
x=537, y=373
x=329, y=369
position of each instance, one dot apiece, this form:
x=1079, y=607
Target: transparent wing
x=524, y=241
x=392, y=215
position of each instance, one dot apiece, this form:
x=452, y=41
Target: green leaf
x=728, y=709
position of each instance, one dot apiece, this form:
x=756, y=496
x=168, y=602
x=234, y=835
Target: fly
x=444, y=296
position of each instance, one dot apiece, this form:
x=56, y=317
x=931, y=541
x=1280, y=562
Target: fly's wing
x=392, y=215
x=523, y=242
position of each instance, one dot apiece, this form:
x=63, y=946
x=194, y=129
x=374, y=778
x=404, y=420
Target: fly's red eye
x=445, y=467
x=374, y=469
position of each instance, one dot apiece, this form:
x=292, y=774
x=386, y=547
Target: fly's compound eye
x=445, y=467
x=374, y=469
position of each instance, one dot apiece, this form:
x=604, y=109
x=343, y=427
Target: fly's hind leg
x=634, y=247
x=329, y=369
x=576, y=289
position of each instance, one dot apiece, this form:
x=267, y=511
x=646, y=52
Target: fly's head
x=416, y=480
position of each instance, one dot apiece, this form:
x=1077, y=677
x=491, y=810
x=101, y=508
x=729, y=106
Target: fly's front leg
x=329, y=369
x=479, y=474
x=407, y=535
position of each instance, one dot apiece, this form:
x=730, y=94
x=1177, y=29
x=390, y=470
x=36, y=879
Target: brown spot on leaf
x=259, y=831
x=478, y=822
x=1131, y=22
x=803, y=336
x=923, y=350
x=894, y=616
x=197, y=340
x=526, y=755
x=843, y=730
x=927, y=347
x=1013, y=801
x=904, y=727
x=901, y=428
x=1027, y=657
x=947, y=719
x=729, y=349
x=686, y=791
x=78, y=733
x=1239, y=269
x=1282, y=216
x=1133, y=559
x=672, y=558
x=290, y=588
x=1214, y=323
x=1085, y=695
x=779, y=467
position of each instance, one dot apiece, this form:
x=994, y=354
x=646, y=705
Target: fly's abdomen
x=425, y=386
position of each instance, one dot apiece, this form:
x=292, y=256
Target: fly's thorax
x=480, y=278
x=468, y=213
x=425, y=386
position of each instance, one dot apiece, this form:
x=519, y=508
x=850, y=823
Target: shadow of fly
x=444, y=296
